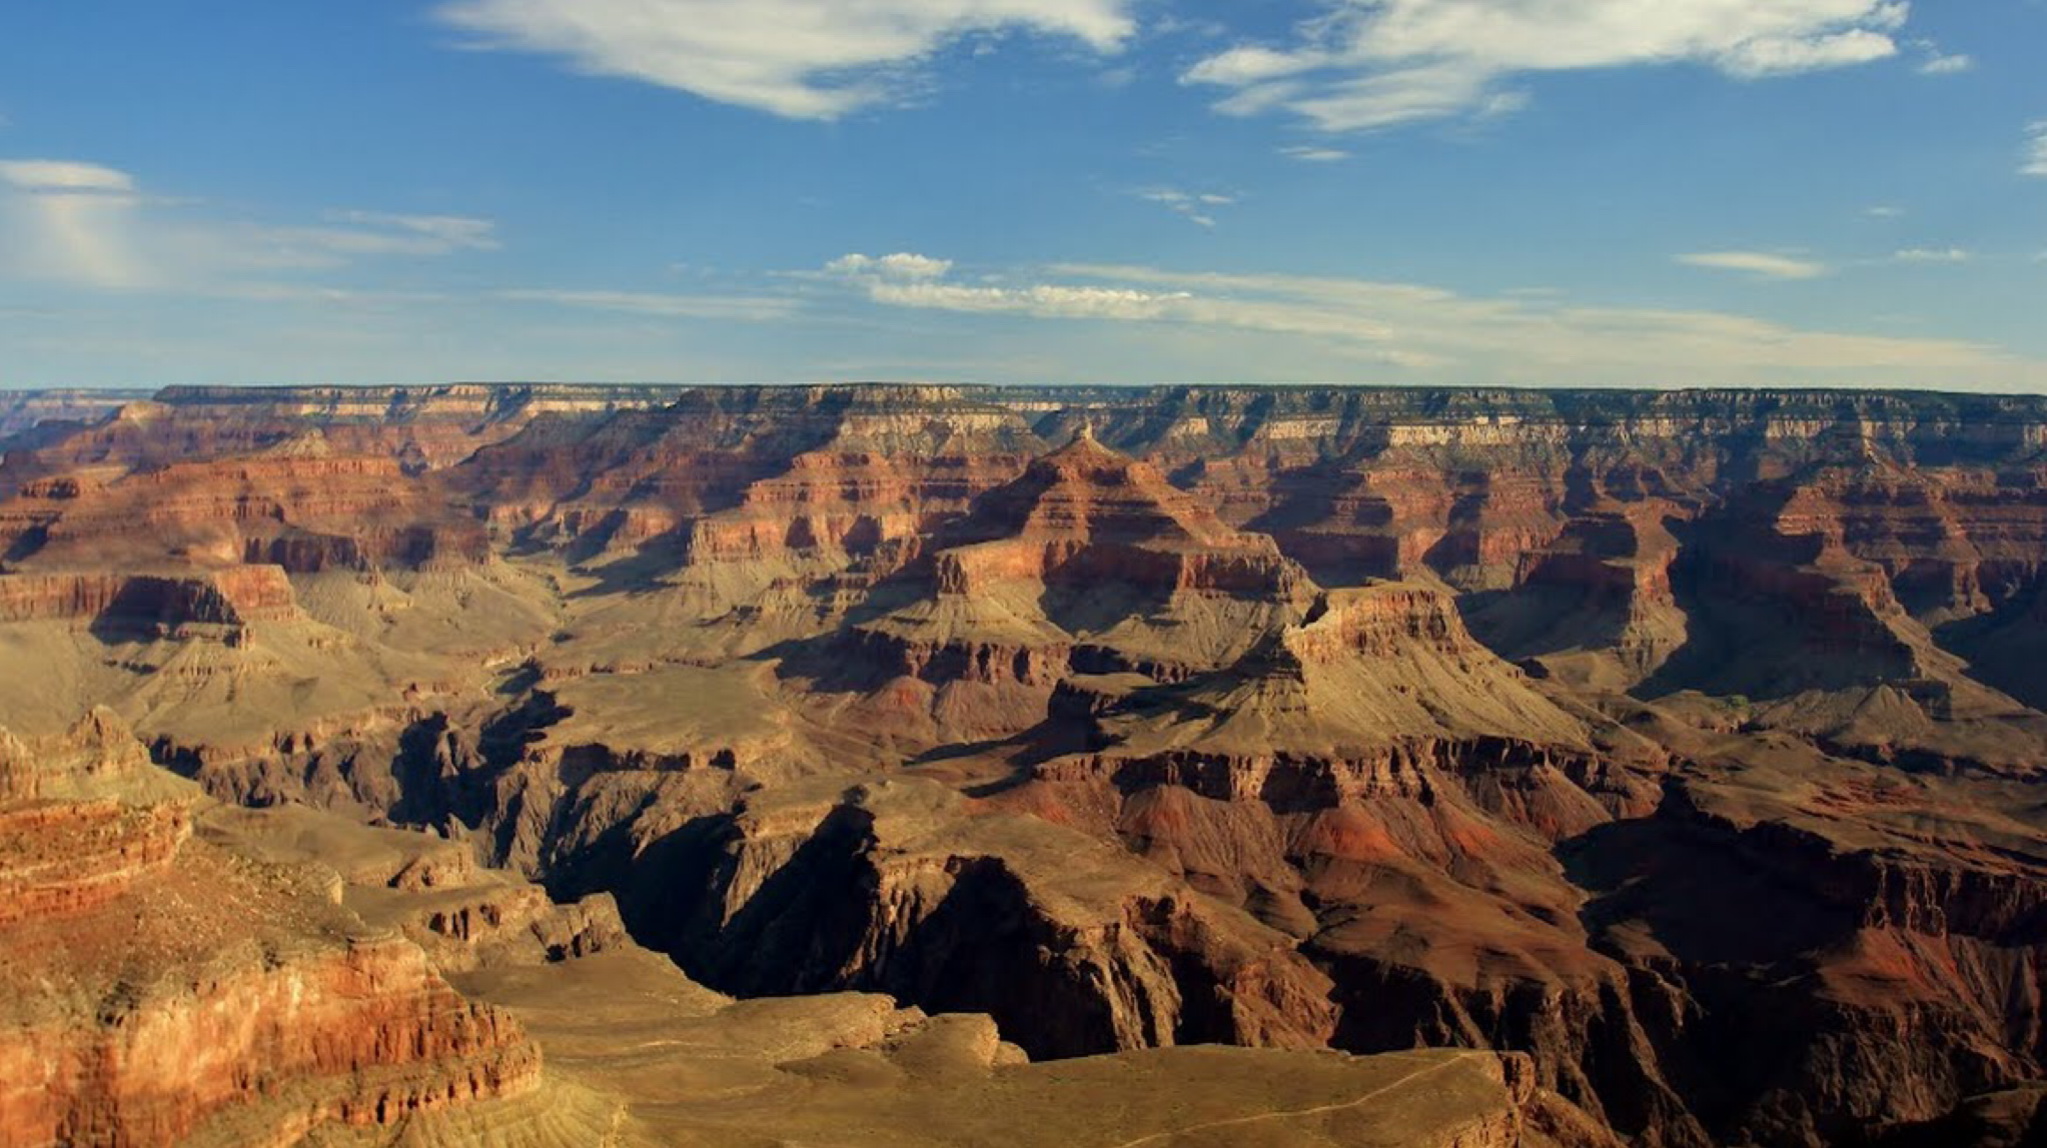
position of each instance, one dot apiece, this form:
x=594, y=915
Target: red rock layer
x=364, y=1034
x=58, y=858
x=848, y=505
x=751, y=472
x=301, y=504
x=230, y=597
x=162, y=988
x=1067, y=955
x=1951, y=542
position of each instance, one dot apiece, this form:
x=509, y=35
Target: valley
x=915, y=764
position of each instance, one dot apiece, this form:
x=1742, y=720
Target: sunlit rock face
x=162, y=989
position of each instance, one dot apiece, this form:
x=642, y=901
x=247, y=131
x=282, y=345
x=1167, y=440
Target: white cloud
x=1758, y=263
x=1933, y=255
x=1445, y=335
x=1315, y=154
x=905, y=280
x=1045, y=301
x=1790, y=55
x=63, y=177
x=1375, y=63
x=1939, y=64
x=1425, y=324
x=717, y=307
x=1884, y=211
x=1195, y=207
x=901, y=265
x=347, y=236
x=70, y=222
x=804, y=59
x=433, y=234
x=93, y=226
x=2034, y=159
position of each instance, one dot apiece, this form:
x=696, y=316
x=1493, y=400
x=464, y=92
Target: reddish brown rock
x=226, y=598
x=164, y=990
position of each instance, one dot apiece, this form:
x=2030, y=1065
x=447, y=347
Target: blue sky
x=1570, y=192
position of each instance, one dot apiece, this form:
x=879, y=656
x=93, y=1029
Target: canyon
x=537, y=763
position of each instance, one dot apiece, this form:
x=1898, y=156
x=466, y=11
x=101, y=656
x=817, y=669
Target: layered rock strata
x=164, y=990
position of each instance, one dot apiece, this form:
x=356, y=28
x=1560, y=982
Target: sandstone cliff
x=163, y=990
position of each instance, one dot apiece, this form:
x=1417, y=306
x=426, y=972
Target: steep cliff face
x=1087, y=561
x=887, y=892
x=24, y=411
x=424, y=427
x=1598, y=599
x=299, y=504
x=1383, y=789
x=366, y=1036
x=223, y=600
x=163, y=990
x=751, y=471
x=1881, y=974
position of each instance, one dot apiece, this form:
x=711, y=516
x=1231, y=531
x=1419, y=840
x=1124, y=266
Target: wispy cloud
x=1761, y=264
x=756, y=309
x=1933, y=255
x=901, y=265
x=63, y=177
x=346, y=236
x=2034, y=158
x=1195, y=207
x=804, y=59
x=1368, y=64
x=71, y=222
x=1441, y=333
x=1315, y=154
x=429, y=234
x=906, y=281
x=1946, y=65
x=92, y=225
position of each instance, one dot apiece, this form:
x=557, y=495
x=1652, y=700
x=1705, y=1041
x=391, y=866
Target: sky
x=1485, y=192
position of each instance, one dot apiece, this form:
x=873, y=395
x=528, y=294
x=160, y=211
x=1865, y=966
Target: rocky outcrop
x=860, y=1071
x=301, y=504
x=70, y=857
x=759, y=473
x=1883, y=971
x=56, y=410
x=163, y=990
x=626, y=1037
x=886, y=891
x=364, y=1035
x=2010, y=1119
x=1089, y=559
x=227, y=599
x=1601, y=590
x=1413, y=868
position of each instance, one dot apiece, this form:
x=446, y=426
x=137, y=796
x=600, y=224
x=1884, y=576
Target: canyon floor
x=873, y=764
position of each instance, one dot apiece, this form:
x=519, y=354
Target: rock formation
x=163, y=990
x=281, y=977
